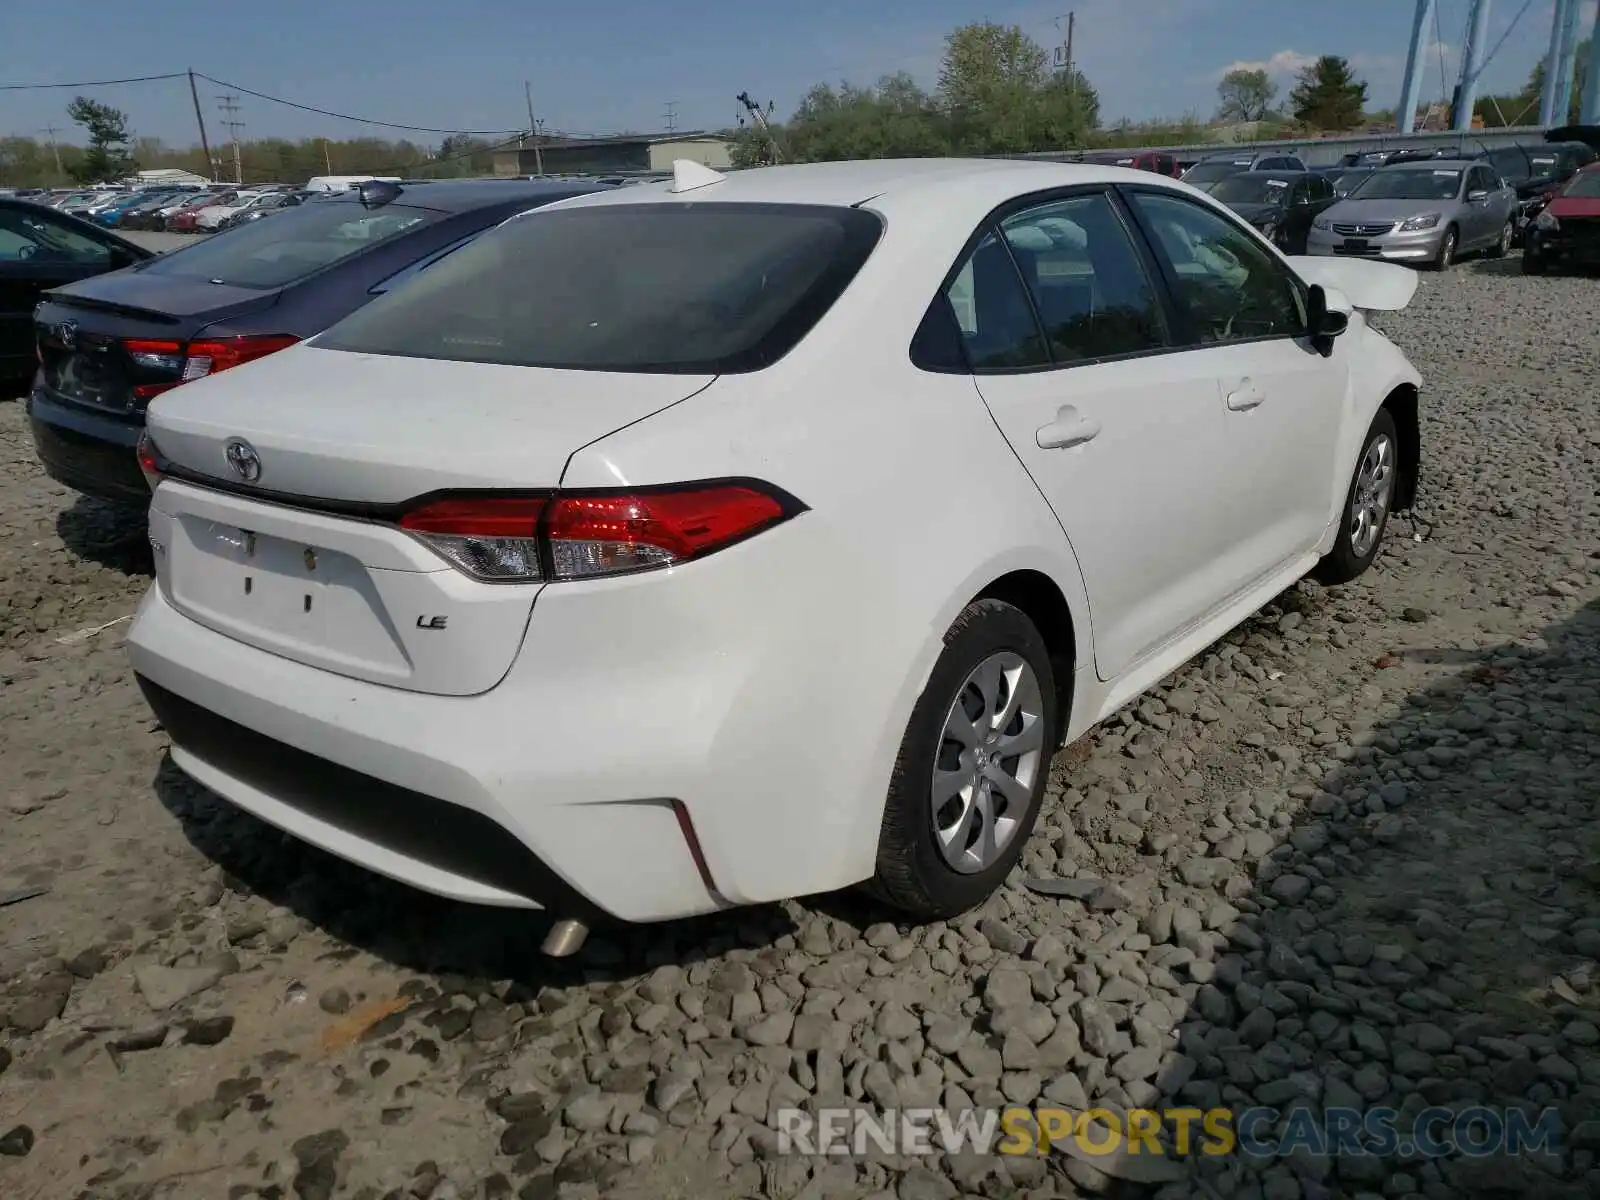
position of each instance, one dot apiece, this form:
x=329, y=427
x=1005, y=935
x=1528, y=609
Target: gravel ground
x=1349, y=857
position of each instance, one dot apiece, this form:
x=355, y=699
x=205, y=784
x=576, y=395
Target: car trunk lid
x=83, y=331
x=307, y=561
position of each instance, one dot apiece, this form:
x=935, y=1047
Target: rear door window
x=273, y=254
x=683, y=288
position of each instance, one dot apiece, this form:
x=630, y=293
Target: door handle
x=1070, y=428
x=1245, y=397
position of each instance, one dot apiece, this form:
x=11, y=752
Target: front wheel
x=972, y=766
x=1366, y=506
x=1447, y=250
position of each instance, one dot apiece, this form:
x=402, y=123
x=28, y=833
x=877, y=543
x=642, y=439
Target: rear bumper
x=427, y=790
x=90, y=452
x=750, y=692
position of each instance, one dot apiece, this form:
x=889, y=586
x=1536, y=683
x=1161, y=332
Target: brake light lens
x=150, y=460
x=494, y=539
x=189, y=361
x=580, y=535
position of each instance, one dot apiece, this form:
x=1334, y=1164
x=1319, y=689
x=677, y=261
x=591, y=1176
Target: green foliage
x=107, y=158
x=1245, y=95
x=1328, y=96
x=996, y=95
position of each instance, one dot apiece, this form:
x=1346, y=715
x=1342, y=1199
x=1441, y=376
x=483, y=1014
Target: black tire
x=1503, y=246
x=912, y=874
x=1532, y=264
x=1447, y=249
x=1343, y=563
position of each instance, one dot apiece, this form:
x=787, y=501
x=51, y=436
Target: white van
x=343, y=183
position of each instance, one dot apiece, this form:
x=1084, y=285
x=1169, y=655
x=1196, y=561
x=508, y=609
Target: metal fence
x=1327, y=151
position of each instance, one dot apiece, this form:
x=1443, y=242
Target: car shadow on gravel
x=1501, y=267
x=113, y=535
x=1423, y=940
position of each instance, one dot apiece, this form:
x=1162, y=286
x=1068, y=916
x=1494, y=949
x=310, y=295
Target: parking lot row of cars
x=1419, y=206
x=173, y=208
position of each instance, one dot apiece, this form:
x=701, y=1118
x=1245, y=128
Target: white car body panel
x=764, y=689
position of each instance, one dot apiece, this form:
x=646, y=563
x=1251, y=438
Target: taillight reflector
x=150, y=461
x=588, y=535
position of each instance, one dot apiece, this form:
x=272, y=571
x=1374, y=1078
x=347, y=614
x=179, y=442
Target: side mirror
x=1477, y=194
x=1328, y=317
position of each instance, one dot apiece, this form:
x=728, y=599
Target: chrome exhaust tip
x=565, y=938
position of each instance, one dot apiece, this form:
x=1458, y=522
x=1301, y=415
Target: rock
x=17, y=1142
x=208, y=1031
x=162, y=987
x=334, y=1000
x=1289, y=889
x=770, y=1031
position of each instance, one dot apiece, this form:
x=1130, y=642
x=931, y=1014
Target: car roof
x=464, y=195
x=1433, y=164
x=907, y=180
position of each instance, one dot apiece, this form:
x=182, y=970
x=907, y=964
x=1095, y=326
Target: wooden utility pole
x=230, y=105
x=327, y=162
x=205, y=145
x=535, y=131
x=55, y=147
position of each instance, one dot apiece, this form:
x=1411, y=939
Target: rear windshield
x=686, y=288
x=1252, y=187
x=273, y=254
x=1210, y=172
x=1585, y=185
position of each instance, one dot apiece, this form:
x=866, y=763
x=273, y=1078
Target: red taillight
x=207, y=357
x=189, y=361
x=150, y=462
x=588, y=535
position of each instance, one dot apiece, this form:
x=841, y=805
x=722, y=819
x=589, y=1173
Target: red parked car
x=1567, y=232
x=1140, y=160
x=183, y=220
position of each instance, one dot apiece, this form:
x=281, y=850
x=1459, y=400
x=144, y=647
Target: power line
x=324, y=112
x=91, y=83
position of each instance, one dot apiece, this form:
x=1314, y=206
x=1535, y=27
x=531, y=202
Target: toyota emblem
x=246, y=463
x=67, y=334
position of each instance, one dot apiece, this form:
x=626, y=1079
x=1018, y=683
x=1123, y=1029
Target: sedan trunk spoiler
x=1370, y=286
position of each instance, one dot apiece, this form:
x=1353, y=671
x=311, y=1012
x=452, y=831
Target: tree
x=1245, y=95
x=108, y=157
x=1328, y=96
x=1533, y=92
x=1000, y=98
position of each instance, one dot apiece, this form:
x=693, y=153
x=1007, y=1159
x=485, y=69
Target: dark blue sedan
x=109, y=345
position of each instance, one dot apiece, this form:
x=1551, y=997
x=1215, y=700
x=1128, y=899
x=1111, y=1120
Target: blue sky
x=603, y=67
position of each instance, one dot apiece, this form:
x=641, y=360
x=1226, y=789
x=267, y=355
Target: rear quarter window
x=706, y=288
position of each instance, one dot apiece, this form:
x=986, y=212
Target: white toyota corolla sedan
x=749, y=536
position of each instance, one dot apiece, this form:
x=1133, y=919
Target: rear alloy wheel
x=1447, y=250
x=1366, y=508
x=972, y=766
x=1503, y=247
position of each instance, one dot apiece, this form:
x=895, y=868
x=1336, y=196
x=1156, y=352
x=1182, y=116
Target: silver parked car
x=1421, y=212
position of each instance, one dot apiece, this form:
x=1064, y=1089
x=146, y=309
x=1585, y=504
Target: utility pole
x=55, y=147
x=671, y=116
x=760, y=119
x=327, y=160
x=230, y=105
x=535, y=130
x=205, y=145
